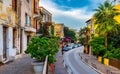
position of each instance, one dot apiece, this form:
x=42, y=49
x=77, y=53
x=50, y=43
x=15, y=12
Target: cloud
x=78, y=15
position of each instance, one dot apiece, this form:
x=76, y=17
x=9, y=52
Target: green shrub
x=40, y=47
x=52, y=49
x=37, y=48
x=116, y=53
x=82, y=40
x=97, y=45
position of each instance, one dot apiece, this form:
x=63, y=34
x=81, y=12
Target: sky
x=72, y=13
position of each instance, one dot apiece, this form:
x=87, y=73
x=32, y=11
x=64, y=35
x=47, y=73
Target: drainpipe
x=19, y=22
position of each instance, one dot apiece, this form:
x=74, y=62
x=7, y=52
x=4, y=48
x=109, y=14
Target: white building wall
x=10, y=51
x=1, y=42
x=24, y=41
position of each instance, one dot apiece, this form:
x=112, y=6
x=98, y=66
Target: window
x=26, y=19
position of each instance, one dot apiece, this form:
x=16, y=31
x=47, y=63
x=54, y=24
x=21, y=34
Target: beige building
x=18, y=23
x=26, y=28
x=59, y=30
x=8, y=30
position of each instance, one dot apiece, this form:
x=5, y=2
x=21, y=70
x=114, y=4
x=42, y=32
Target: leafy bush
x=97, y=45
x=37, y=48
x=52, y=49
x=82, y=40
x=116, y=53
x=40, y=47
x=108, y=55
x=112, y=52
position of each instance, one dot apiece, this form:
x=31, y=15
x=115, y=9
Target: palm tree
x=104, y=19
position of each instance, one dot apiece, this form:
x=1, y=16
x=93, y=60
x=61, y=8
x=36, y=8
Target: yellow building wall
x=118, y=17
x=7, y=14
x=58, y=30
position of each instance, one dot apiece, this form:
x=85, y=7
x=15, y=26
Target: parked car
x=76, y=45
x=68, y=47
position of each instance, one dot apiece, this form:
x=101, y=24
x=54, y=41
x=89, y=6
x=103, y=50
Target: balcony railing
x=29, y=29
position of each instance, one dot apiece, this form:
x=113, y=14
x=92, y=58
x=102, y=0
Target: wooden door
x=4, y=43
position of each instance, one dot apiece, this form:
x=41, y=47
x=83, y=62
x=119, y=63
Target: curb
x=91, y=66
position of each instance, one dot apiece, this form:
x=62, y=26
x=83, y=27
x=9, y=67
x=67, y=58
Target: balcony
x=37, y=16
x=30, y=29
x=2, y=21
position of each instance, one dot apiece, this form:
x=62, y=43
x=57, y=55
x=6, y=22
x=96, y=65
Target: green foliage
x=51, y=59
x=82, y=31
x=116, y=53
x=97, y=45
x=52, y=30
x=104, y=19
x=114, y=38
x=52, y=49
x=112, y=53
x=108, y=55
x=82, y=40
x=69, y=33
x=39, y=48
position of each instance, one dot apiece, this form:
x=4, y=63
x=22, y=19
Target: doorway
x=4, y=43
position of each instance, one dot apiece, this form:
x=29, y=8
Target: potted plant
x=37, y=48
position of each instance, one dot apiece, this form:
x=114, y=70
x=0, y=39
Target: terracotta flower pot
x=52, y=68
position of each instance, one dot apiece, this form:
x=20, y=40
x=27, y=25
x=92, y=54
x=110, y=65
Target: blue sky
x=73, y=13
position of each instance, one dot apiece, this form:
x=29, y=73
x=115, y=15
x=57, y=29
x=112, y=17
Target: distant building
x=45, y=23
x=59, y=30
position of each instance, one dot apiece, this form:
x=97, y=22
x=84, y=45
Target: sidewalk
x=92, y=62
x=59, y=67
x=19, y=66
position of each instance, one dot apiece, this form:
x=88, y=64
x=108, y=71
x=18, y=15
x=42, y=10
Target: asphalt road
x=74, y=64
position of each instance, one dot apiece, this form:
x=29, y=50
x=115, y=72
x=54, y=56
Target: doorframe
x=5, y=42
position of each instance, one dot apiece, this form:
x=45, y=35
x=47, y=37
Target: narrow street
x=75, y=65
x=19, y=66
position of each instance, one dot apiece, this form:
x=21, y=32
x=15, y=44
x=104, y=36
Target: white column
x=1, y=42
x=10, y=51
x=24, y=41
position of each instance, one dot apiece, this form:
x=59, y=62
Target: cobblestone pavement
x=59, y=67
x=19, y=66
